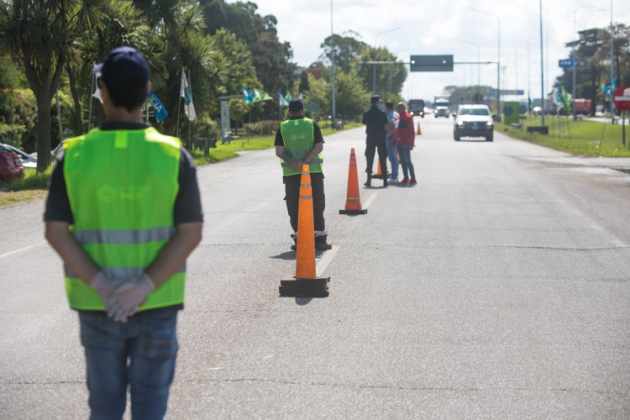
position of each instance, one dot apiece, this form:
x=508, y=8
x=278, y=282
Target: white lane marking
x=327, y=259
x=233, y=218
x=17, y=251
x=370, y=200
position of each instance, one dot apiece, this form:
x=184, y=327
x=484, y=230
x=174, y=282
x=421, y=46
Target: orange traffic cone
x=379, y=171
x=306, y=283
x=419, y=130
x=353, y=199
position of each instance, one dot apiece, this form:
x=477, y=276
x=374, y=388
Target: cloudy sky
x=465, y=28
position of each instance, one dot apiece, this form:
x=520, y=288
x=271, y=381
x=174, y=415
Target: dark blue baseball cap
x=124, y=68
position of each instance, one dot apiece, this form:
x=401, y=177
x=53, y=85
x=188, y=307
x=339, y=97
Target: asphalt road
x=499, y=287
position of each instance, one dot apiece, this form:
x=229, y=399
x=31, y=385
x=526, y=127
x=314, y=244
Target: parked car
x=473, y=121
x=28, y=161
x=10, y=165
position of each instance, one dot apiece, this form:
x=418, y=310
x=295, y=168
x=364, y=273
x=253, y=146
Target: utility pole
x=542, y=66
x=334, y=70
x=374, y=79
x=573, y=56
x=612, y=64
x=499, y=68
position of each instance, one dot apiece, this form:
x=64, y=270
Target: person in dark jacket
x=375, y=120
x=405, y=141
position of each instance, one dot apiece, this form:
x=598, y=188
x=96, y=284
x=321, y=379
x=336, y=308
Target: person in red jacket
x=405, y=141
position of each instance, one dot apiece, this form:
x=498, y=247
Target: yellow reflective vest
x=122, y=186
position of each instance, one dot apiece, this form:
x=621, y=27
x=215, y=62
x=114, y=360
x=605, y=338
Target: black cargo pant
x=371, y=146
x=292, y=197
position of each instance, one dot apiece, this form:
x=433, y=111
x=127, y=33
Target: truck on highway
x=416, y=107
x=440, y=107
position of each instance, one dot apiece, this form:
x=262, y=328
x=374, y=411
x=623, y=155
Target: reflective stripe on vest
x=298, y=136
x=87, y=237
x=122, y=186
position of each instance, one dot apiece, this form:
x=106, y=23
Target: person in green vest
x=124, y=213
x=299, y=141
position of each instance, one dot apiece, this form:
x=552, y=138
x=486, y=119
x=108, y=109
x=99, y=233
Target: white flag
x=185, y=92
x=96, y=74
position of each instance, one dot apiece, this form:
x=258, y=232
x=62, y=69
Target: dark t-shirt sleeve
x=279, y=141
x=318, y=134
x=187, y=203
x=57, y=203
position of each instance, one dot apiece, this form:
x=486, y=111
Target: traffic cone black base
x=353, y=212
x=305, y=288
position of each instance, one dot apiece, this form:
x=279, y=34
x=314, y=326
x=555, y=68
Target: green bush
x=12, y=134
x=261, y=128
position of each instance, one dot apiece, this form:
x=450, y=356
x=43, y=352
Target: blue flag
x=249, y=95
x=161, y=114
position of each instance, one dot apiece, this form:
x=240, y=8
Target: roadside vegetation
x=582, y=137
x=34, y=185
x=227, y=49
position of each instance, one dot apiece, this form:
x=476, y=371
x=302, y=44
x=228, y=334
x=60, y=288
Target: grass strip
x=582, y=137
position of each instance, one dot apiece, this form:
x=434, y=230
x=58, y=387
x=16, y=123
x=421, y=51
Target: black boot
x=294, y=237
x=321, y=243
x=368, y=183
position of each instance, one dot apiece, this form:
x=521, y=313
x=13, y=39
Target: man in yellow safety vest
x=124, y=213
x=299, y=141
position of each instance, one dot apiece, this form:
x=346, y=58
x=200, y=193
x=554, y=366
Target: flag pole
x=179, y=101
x=190, y=121
x=91, y=98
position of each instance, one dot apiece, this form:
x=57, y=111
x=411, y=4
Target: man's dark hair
x=125, y=72
x=389, y=105
x=375, y=99
x=296, y=106
x=127, y=95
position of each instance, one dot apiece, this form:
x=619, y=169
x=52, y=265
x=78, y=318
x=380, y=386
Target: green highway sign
x=431, y=63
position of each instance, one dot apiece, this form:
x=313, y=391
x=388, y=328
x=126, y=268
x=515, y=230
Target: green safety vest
x=122, y=186
x=299, y=138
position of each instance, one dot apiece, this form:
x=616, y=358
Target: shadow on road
x=302, y=301
x=287, y=256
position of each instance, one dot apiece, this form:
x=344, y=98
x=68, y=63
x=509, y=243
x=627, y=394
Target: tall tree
x=104, y=25
x=352, y=97
x=38, y=33
x=345, y=49
x=271, y=57
x=385, y=79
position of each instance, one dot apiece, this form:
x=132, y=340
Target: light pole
x=377, y=40
x=542, y=66
x=333, y=70
x=612, y=63
x=478, y=89
x=498, y=57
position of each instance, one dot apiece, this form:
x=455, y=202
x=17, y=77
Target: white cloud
x=449, y=27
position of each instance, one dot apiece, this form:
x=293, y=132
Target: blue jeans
x=404, y=151
x=392, y=154
x=139, y=354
